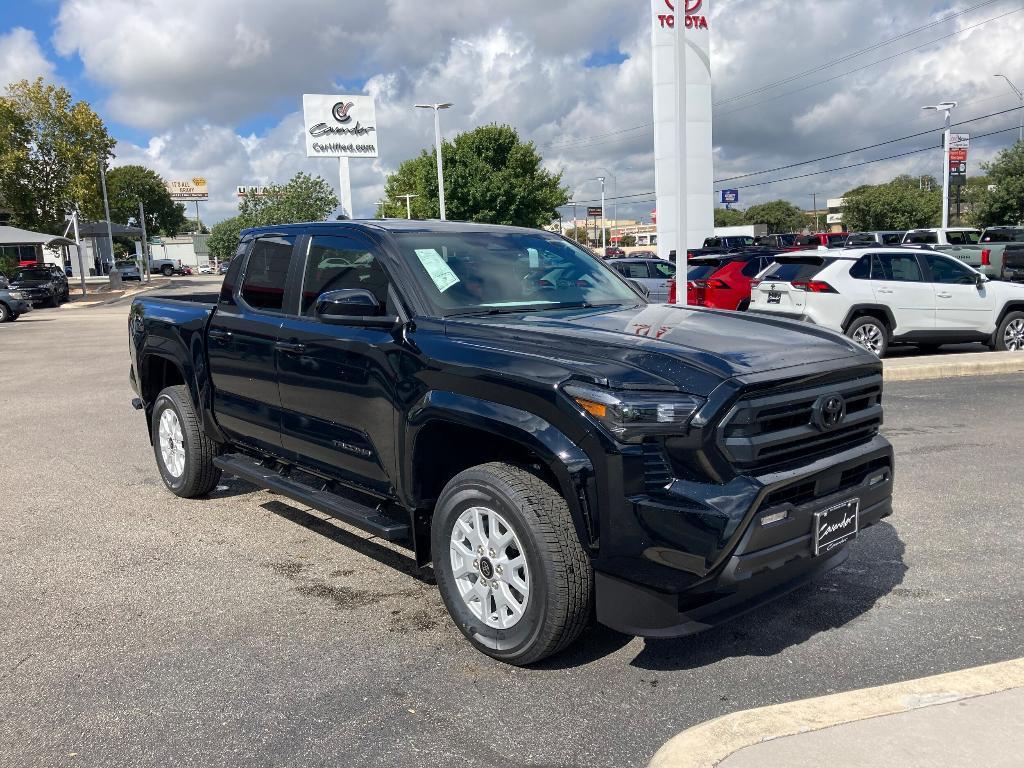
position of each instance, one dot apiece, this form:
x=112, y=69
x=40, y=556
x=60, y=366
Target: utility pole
x=106, y=210
x=437, y=144
x=814, y=199
x=408, y=206
x=145, y=242
x=604, y=219
x=945, y=107
x=1020, y=97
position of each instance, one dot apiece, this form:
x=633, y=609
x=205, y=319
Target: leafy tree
x=899, y=204
x=224, y=238
x=304, y=198
x=729, y=217
x=50, y=150
x=126, y=186
x=188, y=227
x=490, y=176
x=628, y=241
x=779, y=215
x=579, y=234
x=1004, y=204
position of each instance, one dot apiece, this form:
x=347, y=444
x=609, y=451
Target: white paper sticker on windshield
x=436, y=267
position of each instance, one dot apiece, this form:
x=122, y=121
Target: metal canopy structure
x=15, y=236
x=99, y=229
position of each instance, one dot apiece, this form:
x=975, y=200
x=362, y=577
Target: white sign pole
x=681, y=157
x=945, y=174
x=345, y=187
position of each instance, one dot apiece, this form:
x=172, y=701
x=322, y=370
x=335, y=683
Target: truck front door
x=241, y=343
x=338, y=382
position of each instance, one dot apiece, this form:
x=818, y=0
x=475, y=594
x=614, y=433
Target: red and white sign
x=693, y=19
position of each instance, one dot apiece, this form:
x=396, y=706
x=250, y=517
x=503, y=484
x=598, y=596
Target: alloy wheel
x=172, y=445
x=870, y=337
x=489, y=567
x=1013, y=337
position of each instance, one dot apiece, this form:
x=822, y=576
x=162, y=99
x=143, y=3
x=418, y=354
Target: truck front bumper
x=670, y=592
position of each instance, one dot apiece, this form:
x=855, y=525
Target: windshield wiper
x=535, y=308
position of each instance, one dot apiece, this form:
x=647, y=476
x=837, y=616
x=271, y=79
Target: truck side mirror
x=980, y=280
x=352, y=306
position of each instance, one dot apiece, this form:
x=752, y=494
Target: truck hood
x=30, y=283
x=659, y=344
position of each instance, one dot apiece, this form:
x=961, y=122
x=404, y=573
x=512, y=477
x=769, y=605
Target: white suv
x=881, y=295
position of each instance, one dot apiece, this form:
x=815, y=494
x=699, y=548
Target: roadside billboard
x=192, y=189
x=339, y=126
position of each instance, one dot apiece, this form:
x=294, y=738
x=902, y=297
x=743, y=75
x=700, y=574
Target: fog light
x=881, y=477
x=775, y=517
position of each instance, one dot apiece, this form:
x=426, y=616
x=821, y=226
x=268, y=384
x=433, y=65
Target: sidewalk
x=974, y=717
x=946, y=366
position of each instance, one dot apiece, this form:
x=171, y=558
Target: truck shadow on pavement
x=875, y=569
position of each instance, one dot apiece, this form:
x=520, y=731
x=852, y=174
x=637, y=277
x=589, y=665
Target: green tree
x=50, y=150
x=1004, y=202
x=490, y=176
x=899, y=204
x=224, y=238
x=126, y=186
x=579, y=234
x=628, y=241
x=780, y=216
x=304, y=198
x=729, y=217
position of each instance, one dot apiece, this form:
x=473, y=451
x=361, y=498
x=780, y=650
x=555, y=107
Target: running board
x=352, y=512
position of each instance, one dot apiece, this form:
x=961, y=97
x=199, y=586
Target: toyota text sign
x=339, y=126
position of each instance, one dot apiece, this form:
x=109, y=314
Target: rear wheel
x=870, y=333
x=184, y=454
x=167, y=270
x=1010, y=336
x=509, y=565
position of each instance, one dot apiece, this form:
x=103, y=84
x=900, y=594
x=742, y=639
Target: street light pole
x=408, y=205
x=1020, y=97
x=437, y=145
x=604, y=219
x=945, y=107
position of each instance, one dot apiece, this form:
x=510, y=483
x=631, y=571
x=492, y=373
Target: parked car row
x=33, y=285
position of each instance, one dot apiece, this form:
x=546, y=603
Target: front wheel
x=870, y=333
x=5, y=313
x=509, y=564
x=1010, y=336
x=167, y=270
x=184, y=454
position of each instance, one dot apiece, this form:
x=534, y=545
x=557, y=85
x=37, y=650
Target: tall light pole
x=1020, y=96
x=615, y=191
x=945, y=107
x=814, y=202
x=408, y=205
x=106, y=209
x=437, y=144
x=604, y=219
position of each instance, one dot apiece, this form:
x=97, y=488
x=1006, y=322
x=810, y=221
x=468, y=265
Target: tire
x=1010, y=336
x=929, y=349
x=871, y=333
x=167, y=270
x=195, y=475
x=5, y=313
x=53, y=302
x=743, y=306
x=555, y=569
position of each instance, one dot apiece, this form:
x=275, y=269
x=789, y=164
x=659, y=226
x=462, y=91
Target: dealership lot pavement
x=141, y=629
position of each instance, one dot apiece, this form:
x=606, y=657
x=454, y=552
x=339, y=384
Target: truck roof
x=395, y=225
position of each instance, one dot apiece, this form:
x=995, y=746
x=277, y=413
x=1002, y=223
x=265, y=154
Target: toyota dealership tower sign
x=683, y=172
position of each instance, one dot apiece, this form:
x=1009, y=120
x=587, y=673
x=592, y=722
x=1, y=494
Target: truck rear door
x=242, y=343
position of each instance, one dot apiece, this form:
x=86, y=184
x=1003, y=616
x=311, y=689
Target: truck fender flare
x=870, y=309
x=567, y=461
x=191, y=364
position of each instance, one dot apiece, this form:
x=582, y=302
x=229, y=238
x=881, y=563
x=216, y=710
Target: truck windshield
x=480, y=271
x=33, y=274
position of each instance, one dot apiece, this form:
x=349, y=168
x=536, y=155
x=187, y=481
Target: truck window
x=963, y=238
x=896, y=267
x=892, y=238
x=922, y=238
x=266, y=272
x=662, y=269
x=339, y=263
x=635, y=270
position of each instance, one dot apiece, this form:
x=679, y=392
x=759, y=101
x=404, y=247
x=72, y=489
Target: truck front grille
x=771, y=429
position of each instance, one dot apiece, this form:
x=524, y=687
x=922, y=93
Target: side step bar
x=346, y=510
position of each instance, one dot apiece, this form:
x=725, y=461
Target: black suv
x=516, y=413
x=42, y=284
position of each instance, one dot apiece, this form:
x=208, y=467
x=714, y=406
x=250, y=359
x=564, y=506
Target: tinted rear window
x=1003, y=236
x=795, y=269
x=700, y=270
x=892, y=238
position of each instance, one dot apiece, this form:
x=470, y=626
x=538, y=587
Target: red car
x=723, y=282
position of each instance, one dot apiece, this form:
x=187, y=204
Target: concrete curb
x=708, y=744
x=947, y=366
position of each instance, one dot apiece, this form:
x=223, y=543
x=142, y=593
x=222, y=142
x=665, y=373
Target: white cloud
x=196, y=71
x=21, y=58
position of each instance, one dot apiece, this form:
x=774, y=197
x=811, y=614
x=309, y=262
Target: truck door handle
x=944, y=295
x=215, y=333
x=886, y=290
x=291, y=347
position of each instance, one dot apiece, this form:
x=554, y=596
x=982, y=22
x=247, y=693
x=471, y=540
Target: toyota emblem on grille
x=829, y=412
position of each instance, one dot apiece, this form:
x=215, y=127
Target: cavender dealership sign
x=339, y=126
x=692, y=17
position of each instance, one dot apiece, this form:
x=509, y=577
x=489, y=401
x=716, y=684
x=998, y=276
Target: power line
x=866, y=66
x=855, y=54
x=861, y=149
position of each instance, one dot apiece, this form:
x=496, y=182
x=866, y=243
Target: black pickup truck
x=524, y=420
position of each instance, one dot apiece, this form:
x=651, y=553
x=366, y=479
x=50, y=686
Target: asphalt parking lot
x=138, y=629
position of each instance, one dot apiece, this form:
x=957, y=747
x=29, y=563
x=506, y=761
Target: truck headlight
x=632, y=416
x=17, y=295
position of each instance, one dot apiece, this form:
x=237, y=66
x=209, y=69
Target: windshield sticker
x=437, y=269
